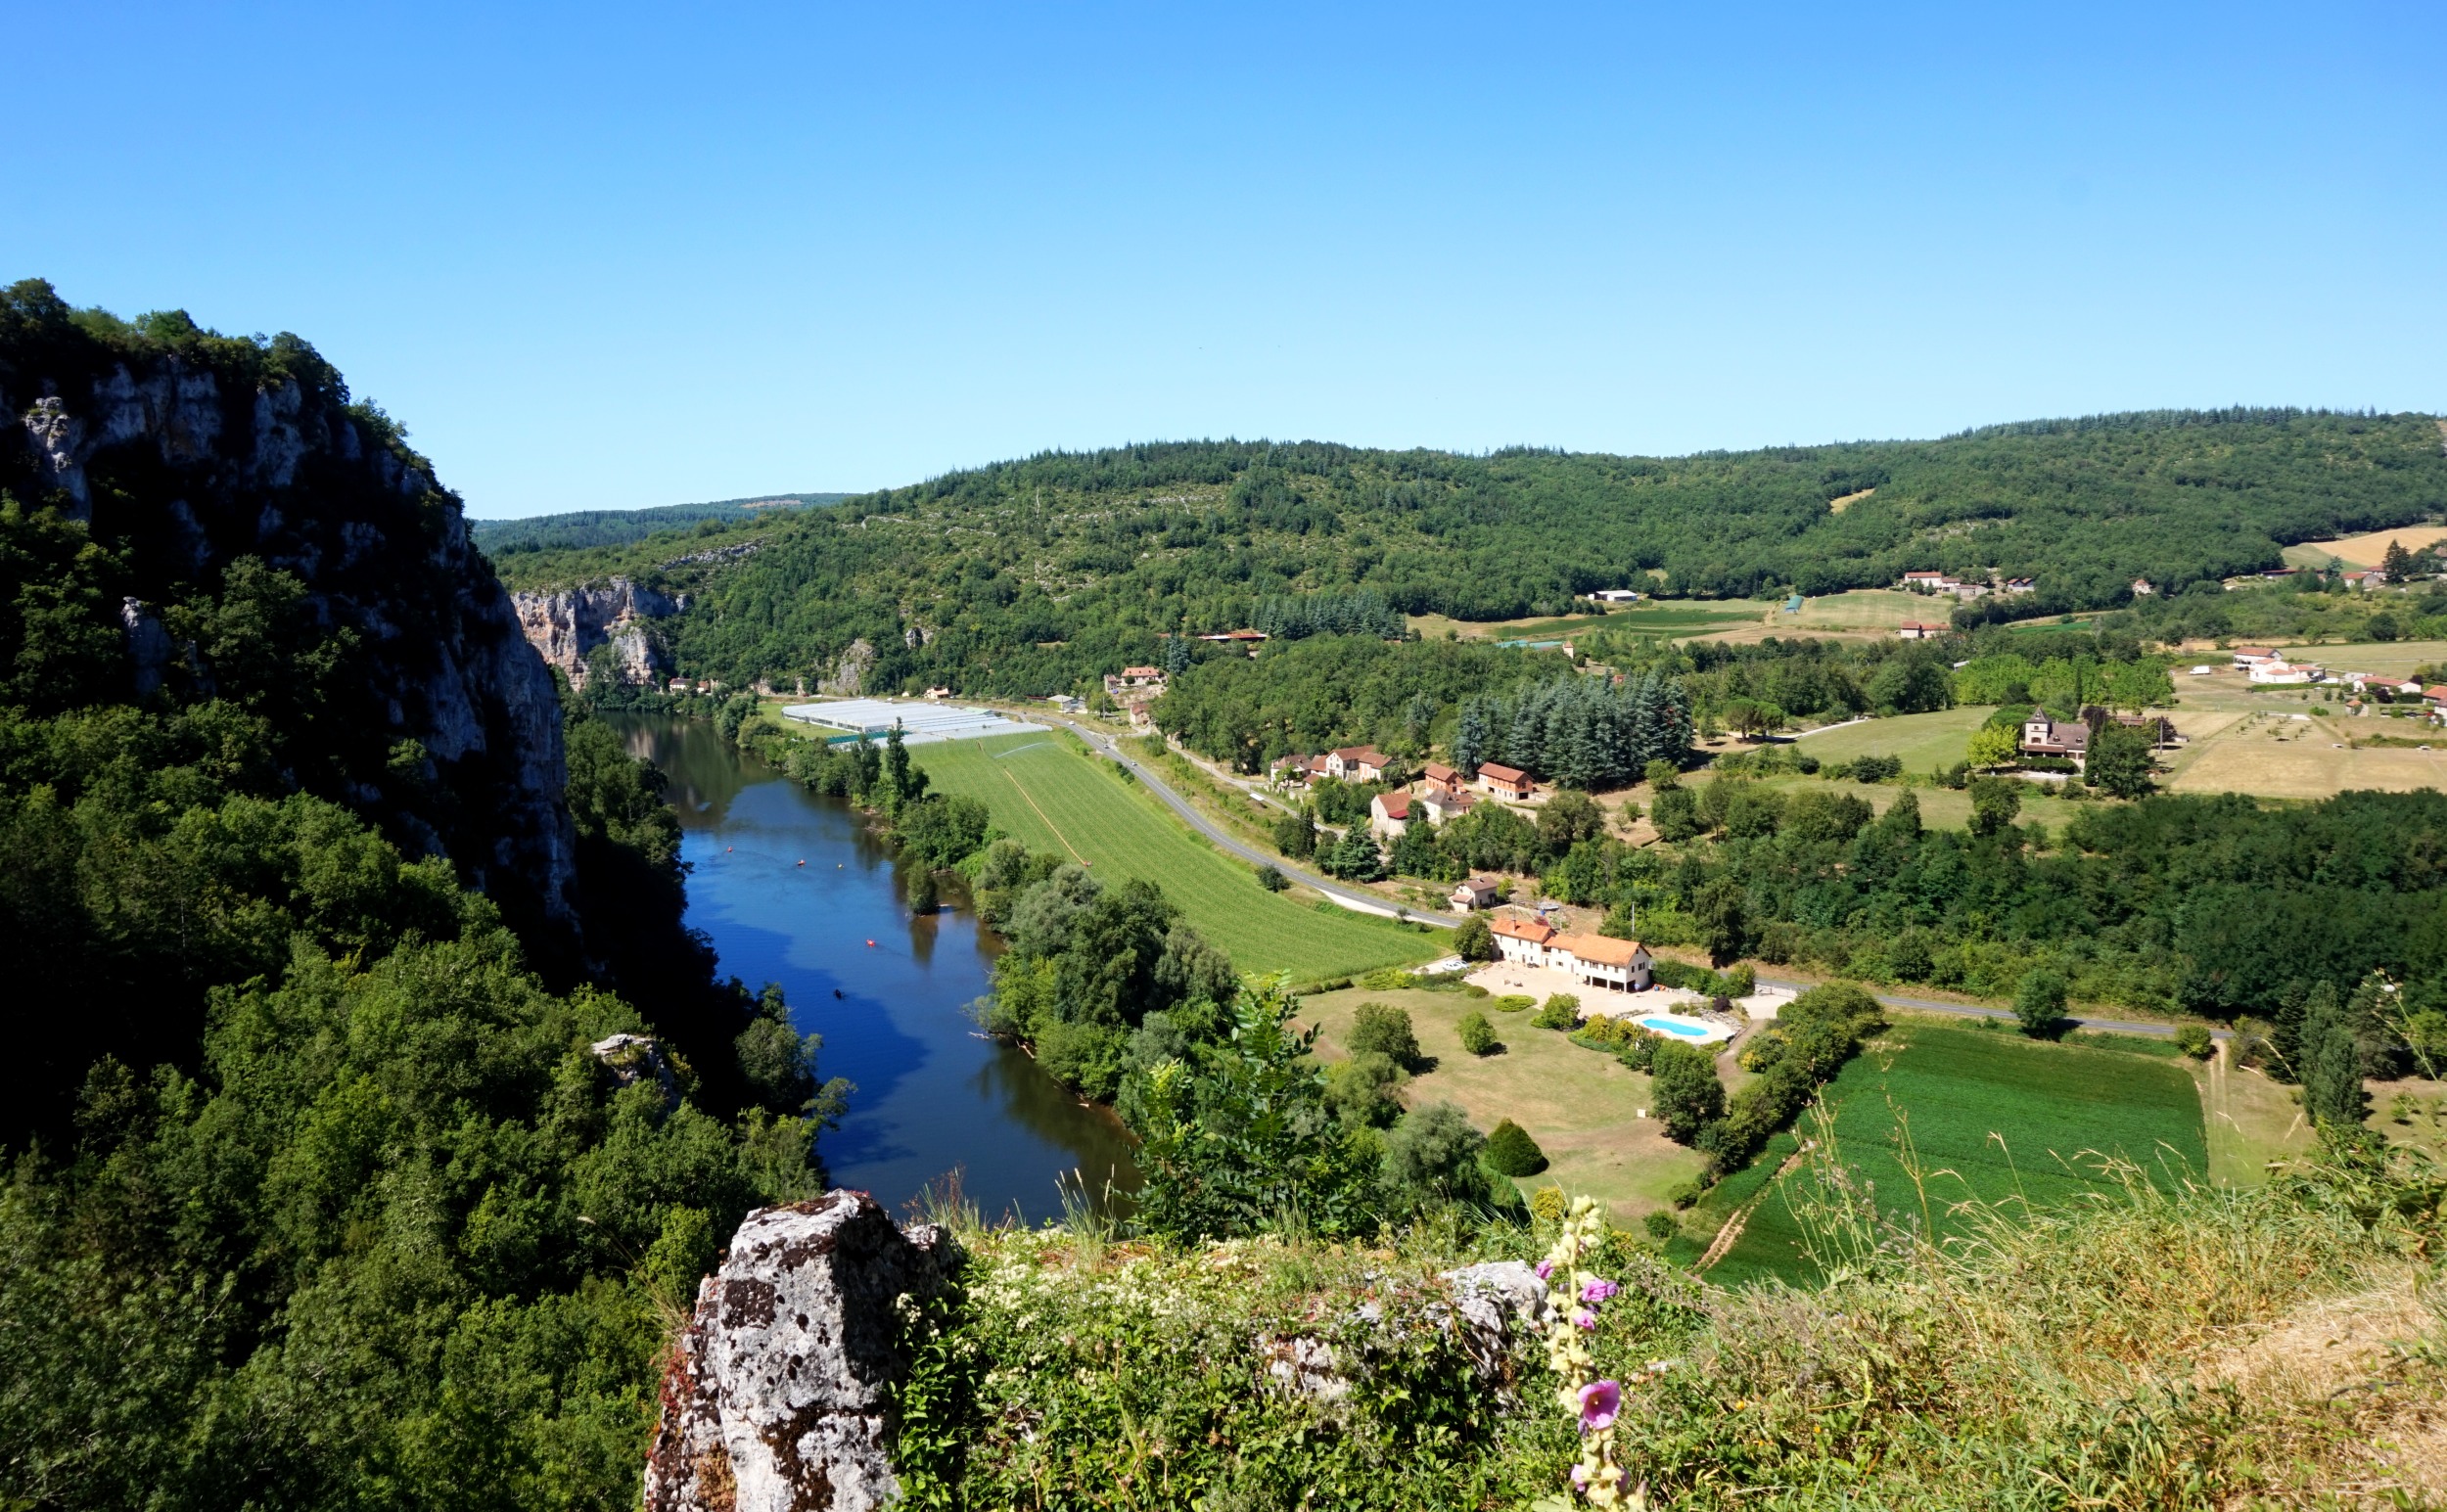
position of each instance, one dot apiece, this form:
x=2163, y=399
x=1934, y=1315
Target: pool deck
x=1505, y=976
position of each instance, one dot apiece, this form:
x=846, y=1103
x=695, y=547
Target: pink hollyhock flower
x=1601, y=1400
x=1585, y=1318
x=1596, y=1291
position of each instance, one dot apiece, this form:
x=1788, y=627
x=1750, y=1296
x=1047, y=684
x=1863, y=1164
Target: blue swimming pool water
x=1670, y=1027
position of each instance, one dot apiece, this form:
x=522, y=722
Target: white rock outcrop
x=778, y=1396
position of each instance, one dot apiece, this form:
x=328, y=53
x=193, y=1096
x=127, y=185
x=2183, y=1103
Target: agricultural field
x=1044, y=791
x=1582, y=1106
x=1983, y=1115
x=2283, y=745
x=1673, y=616
x=2362, y=550
x=1924, y=742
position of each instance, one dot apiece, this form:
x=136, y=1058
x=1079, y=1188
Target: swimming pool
x=1675, y=1027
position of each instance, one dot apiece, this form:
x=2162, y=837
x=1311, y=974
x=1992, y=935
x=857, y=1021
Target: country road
x=1367, y=902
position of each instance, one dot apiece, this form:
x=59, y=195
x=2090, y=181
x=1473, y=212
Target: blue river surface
x=792, y=887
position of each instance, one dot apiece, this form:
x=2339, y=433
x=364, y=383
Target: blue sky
x=600, y=257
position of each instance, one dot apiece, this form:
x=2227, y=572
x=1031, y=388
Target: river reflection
x=791, y=889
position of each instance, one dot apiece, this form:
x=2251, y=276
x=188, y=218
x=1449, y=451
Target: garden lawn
x=1045, y=791
x=1924, y=742
x=1582, y=1106
x=1991, y=1116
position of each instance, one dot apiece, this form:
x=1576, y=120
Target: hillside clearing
x=1046, y=792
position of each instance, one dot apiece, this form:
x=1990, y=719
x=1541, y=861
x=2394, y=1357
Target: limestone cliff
x=564, y=625
x=191, y=457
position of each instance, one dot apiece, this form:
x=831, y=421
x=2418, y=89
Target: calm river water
x=886, y=990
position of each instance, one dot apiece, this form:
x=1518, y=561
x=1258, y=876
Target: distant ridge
x=581, y=529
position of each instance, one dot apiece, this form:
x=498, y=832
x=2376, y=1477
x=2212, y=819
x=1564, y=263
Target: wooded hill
x=580, y=530
x=1026, y=576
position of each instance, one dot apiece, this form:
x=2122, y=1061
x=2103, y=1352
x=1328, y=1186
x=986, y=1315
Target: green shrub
x=1388, y=978
x=1387, y=1030
x=1511, y=1152
x=1682, y=1194
x=2196, y=1040
x=1478, y=1037
x=1472, y=989
x=1513, y=1003
x=1562, y=1011
x=1661, y=1225
x=1549, y=1205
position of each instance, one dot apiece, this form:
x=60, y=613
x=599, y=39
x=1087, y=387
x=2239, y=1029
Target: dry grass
x=1579, y=1105
x=2364, y=550
x=2275, y=755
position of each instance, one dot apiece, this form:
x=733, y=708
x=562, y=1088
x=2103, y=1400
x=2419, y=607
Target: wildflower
x=1545, y=1268
x=1581, y=1317
x=1601, y=1400
x=1598, y=1291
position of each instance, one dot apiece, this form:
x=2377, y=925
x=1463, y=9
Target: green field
x=1992, y=1117
x=1046, y=792
x=1923, y=740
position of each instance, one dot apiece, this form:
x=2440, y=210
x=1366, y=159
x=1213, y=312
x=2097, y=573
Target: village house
x=1356, y=764
x=1615, y=596
x=2019, y=585
x=2246, y=655
x=1289, y=771
x=1389, y=815
x=1915, y=629
x=939, y=692
x=1440, y=807
x=2141, y=588
x=1236, y=635
x=2435, y=696
x=1147, y=681
x=1437, y=777
x=2043, y=736
x=1592, y=960
x=1506, y=782
x=1930, y=581
x=678, y=685
x=1475, y=893
x=1140, y=714
x=2277, y=674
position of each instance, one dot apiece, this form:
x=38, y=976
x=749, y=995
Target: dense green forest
x=317, y=1193
x=586, y=528
x=1034, y=577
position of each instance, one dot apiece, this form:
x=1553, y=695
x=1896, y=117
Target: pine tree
x=1472, y=738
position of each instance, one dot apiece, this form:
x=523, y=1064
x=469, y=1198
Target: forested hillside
x=1028, y=577
x=318, y=1195
x=585, y=529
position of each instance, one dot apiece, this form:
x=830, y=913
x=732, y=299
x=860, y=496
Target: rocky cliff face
x=564, y=625
x=778, y=1396
x=187, y=457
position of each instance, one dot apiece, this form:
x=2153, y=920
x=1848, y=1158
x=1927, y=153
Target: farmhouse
x=1506, y=782
x=2276, y=673
x=1594, y=960
x=1147, y=681
x=2246, y=655
x=1615, y=596
x=1355, y=763
x=1438, y=777
x=2141, y=588
x=1915, y=629
x=1443, y=808
x=2043, y=736
x=1389, y=815
x=1476, y=892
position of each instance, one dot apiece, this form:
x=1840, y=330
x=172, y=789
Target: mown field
x=1991, y=1116
x=1044, y=791
x=1582, y=1106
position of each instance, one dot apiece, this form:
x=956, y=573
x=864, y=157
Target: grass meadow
x=1045, y=791
x=1990, y=1116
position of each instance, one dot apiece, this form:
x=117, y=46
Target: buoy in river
x=870, y=945
x=802, y=863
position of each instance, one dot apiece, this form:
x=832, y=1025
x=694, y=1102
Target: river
x=887, y=990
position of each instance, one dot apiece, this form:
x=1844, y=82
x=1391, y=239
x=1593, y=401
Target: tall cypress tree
x=2331, y=1055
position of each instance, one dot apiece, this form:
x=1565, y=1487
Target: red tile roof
x=1510, y=775
x=1531, y=930
x=1392, y=805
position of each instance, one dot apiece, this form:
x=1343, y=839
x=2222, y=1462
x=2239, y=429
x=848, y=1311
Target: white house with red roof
x=1389, y=815
x=1592, y=960
x=1506, y=782
x=1356, y=764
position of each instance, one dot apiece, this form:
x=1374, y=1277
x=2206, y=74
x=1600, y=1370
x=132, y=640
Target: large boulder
x=778, y=1396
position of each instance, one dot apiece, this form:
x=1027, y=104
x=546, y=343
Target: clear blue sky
x=599, y=255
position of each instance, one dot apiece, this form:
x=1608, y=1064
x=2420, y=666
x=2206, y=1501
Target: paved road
x=1350, y=898
x=1368, y=902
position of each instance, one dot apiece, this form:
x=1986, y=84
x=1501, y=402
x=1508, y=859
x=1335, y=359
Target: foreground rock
x=778, y=1396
